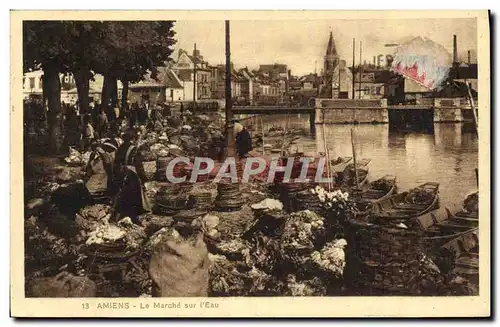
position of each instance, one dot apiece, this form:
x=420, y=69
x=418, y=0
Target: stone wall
x=447, y=110
x=343, y=111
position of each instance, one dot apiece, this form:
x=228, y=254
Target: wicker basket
x=383, y=259
x=149, y=169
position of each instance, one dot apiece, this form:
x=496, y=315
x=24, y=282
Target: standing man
x=243, y=140
x=102, y=124
x=88, y=134
x=130, y=199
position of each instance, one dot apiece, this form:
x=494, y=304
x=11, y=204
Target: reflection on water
x=447, y=154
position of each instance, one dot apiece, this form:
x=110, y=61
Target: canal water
x=443, y=153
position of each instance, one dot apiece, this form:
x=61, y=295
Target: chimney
x=468, y=57
x=455, y=55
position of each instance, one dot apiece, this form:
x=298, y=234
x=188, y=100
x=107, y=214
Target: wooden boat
x=380, y=189
x=339, y=165
x=360, y=163
x=448, y=221
x=346, y=179
x=410, y=204
x=466, y=251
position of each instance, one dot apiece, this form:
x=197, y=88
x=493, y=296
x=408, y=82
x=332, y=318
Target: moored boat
x=347, y=178
x=410, y=204
x=340, y=164
x=377, y=190
x=380, y=189
x=450, y=220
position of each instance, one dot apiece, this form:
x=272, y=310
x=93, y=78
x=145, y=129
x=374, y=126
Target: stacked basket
x=171, y=199
x=228, y=197
x=383, y=259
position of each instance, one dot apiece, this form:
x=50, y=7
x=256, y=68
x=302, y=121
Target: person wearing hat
x=243, y=140
x=129, y=176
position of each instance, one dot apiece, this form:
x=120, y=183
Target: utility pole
x=230, y=141
x=194, y=73
x=359, y=67
x=353, y=74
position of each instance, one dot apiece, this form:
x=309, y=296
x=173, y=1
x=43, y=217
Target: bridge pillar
x=312, y=122
x=447, y=110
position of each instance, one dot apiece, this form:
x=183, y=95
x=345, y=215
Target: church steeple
x=331, y=57
x=331, y=50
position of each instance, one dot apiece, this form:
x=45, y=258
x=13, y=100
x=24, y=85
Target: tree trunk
x=124, y=94
x=114, y=91
x=106, y=93
x=109, y=91
x=52, y=91
x=124, y=107
x=82, y=77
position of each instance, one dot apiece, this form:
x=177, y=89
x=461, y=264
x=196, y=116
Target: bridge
x=272, y=110
x=342, y=111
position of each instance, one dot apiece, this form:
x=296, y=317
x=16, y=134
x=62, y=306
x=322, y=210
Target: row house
x=274, y=71
x=239, y=84
x=185, y=68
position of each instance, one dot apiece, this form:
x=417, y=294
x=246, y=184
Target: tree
x=44, y=46
x=118, y=50
x=129, y=51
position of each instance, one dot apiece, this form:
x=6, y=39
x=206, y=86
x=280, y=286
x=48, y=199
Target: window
x=32, y=82
x=40, y=82
x=378, y=90
x=367, y=90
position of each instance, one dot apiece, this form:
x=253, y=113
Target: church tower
x=331, y=57
x=330, y=64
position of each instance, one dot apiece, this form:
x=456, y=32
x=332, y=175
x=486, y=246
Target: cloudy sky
x=299, y=43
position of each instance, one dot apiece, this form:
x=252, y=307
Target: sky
x=301, y=43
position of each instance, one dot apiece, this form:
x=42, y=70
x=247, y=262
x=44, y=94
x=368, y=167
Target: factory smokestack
x=455, y=55
x=468, y=57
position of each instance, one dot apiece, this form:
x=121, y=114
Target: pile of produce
x=302, y=230
x=268, y=205
x=76, y=158
x=420, y=196
x=471, y=203
x=331, y=258
x=124, y=237
x=383, y=185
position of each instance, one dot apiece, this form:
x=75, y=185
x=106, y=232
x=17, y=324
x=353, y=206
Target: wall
x=335, y=111
x=177, y=94
x=447, y=110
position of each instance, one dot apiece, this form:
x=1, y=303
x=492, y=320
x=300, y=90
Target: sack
x=61, y=285
x=179, y=268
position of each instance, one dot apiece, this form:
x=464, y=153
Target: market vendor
x=243, y=140
x=129, y=200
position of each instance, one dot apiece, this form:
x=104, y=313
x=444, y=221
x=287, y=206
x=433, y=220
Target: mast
x=353, y=74
x=359, y=67
x=194, y=73
x=229, y=115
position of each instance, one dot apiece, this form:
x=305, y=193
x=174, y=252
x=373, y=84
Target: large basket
x=382, y=259
x=149, y=169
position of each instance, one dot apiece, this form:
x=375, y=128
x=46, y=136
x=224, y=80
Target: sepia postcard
x=250, y=164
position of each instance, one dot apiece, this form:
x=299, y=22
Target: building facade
x=185, y=68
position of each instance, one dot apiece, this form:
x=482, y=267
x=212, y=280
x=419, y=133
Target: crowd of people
x=81, y=128
x=117, y=129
